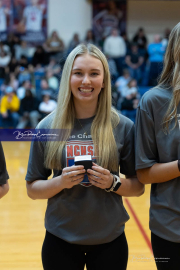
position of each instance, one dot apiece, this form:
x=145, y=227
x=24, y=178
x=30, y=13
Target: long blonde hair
x=170, y=76
x=102, y=127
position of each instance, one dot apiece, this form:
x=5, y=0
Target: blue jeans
x=135, y=73
x=11, y=120
x=120, y=61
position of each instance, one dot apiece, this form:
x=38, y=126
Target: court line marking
x=146, y=238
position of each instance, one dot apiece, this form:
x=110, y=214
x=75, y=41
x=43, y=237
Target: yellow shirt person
x=9, y=102
x=9, y=107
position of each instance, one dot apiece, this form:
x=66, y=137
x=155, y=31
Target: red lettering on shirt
x=83, y=150
x=90, y=150
x=69, y=151
x=76, y=150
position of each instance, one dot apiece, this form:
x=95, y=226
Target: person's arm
x=140, y=61
x=128, y=61
x=130, y=187
x=159, y=173
x=4, y=189
x=41, y=189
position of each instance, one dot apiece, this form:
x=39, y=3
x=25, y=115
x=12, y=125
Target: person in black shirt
x=140, y=39
x=29, y=111
x=134, y=60
x=4, y=186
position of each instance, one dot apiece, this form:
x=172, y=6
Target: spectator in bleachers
x=115, y=47
x=54, y=45
x=12, y=41
x=24, y=74
x=123, y=81
x=45, y=89
x=53, y=66
x=74, y=42
x=13, y=82
x=134, y=60
x=9, y=79
x=39, y=57
x=4, y=48
x=90, y=38
x=31, y=71
x=129, y=99
x=9, y=108
x=21, y=91
x=47, y=105
x=52, y=80
x=141, y=40
x=23, y=50
x=4, y=61
x=23, y=61
x=29, y=111
x=13, y=64
x=156, y=52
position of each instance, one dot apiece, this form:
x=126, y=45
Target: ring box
x=85, y=160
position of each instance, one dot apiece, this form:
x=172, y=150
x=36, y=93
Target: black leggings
x=58, y=254
x=166, y=253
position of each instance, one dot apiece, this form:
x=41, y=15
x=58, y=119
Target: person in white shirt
x=21, y=91
x=123, y=80
x=33, y=16
x=47, y=105
x=115, y=47
x=4, y=59
x=107, y=19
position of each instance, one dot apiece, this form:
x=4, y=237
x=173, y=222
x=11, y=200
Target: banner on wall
x=5, y=18
x=25, y=18
x=108, y=15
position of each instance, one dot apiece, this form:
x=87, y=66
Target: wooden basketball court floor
x=22, y=221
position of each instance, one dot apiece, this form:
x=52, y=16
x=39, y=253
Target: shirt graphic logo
x=79, y=148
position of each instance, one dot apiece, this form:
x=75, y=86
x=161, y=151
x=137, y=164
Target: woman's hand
x=72, y=176
x=100, y=177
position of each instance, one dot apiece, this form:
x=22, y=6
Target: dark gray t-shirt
x=154, y=146
x=3, y=172
x=85, y=215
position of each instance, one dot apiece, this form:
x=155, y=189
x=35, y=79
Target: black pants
x=166, y=253
x=57, y=254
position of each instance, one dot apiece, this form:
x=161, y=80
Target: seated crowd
x=29, y=76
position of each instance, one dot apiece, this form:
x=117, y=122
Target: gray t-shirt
x=85, y=215
x=154, y=146
x=3, y=172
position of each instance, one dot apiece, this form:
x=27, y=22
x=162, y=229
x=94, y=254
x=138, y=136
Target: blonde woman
x=85, y=221
x=158, y=156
